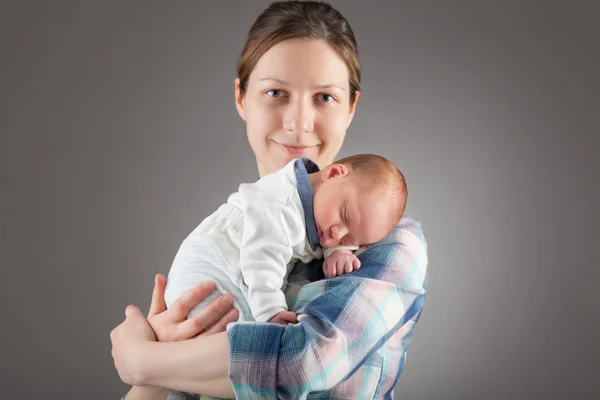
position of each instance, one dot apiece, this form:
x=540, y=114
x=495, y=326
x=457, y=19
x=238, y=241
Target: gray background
x=119, y=134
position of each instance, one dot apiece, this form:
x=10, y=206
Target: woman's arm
x=168, y=325
x=344, y=321
x=146, y=393
x=198, y=365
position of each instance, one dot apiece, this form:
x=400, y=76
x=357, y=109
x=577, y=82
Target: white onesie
x=249, y=245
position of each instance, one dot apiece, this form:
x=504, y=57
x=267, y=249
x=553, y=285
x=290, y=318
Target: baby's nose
x=339, y=232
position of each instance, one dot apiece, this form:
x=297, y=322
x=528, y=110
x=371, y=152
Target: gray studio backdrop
x=119, y=134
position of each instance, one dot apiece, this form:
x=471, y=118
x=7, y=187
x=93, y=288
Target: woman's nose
x=299, y=117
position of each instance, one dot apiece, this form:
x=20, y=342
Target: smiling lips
x=295, y=150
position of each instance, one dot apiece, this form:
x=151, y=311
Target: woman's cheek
x=336, y=131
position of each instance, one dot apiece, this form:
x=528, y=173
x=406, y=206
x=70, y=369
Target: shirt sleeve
x=349, y=319
x=271, y=229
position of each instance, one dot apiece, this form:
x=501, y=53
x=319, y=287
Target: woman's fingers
x=207, y=316
x=182, y=306
x=132, y=311
x=221, y=324
x=157, y=305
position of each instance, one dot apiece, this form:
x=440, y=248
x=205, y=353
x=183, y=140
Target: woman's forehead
x=299, y=62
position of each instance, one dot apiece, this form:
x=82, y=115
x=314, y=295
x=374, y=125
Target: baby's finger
x=348, y=266
x=333, y=269
x=341, y=267
x=290, y=317
x=356, y=263
x=329, y=269
x=325, y=269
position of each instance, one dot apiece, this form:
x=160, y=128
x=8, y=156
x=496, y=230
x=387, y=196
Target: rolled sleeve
x=344, y=322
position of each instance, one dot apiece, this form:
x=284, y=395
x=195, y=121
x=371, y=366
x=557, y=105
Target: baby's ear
x=334, y=170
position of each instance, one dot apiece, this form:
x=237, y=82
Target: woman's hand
x=131, y=337
x=128, y=339
x=171, y=324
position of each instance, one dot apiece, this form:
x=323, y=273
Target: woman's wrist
x=147, y=393
x=148, y=368
x=199, y=365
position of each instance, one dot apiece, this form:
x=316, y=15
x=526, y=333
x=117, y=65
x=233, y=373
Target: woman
x=297, y=89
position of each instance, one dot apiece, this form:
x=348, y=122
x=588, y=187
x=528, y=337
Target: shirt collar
x=302, y=167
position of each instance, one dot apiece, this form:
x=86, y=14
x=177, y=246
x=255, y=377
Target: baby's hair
x=381, y=174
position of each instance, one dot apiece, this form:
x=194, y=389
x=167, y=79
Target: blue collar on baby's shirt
x=302, y=167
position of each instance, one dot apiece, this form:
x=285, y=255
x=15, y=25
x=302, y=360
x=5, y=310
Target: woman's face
x=297, y=104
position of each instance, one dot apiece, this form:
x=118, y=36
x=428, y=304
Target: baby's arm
x=271, y=229
x=340, y=260
x=263, y=263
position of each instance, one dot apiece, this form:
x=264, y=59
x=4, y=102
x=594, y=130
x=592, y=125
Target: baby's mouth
x=322, y=235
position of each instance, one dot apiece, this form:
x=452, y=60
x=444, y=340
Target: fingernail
x=226, y=300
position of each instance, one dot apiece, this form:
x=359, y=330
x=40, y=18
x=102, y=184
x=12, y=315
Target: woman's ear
x=333, y=170
x=352, y=109
x=239, y=100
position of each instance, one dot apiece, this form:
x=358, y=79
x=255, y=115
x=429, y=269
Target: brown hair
x=300, y=20
x=381, y=174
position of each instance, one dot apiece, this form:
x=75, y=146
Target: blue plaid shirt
x=353, y=330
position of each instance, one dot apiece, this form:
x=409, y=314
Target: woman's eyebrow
x=326, y=86
x=274, y=79
x=330, y=86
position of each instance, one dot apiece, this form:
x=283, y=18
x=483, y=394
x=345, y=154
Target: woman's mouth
x=295, y=150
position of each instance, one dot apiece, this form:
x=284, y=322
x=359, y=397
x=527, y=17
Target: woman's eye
x=326, y=98
x=274, y=93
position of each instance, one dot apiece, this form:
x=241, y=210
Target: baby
x=250, y=244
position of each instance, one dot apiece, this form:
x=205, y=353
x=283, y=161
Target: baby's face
x=347, y=214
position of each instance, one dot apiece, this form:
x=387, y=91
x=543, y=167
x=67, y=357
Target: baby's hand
x=340, y=262
x=284, y=318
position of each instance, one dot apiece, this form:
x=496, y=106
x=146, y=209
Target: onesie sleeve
x=271, y=229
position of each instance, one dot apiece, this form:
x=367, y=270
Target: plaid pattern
x=353, y=334
x=354, y=330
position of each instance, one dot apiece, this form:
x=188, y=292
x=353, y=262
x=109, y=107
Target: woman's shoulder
x=401, y=256
x=408, y=233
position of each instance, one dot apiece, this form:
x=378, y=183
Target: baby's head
x=358, y=200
